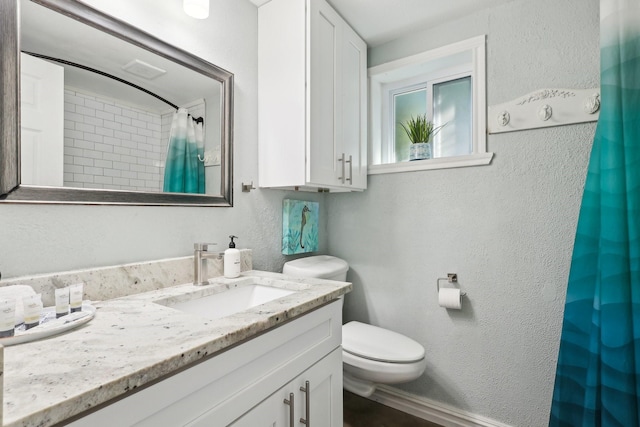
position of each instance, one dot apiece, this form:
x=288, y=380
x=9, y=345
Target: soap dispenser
x=232, y=260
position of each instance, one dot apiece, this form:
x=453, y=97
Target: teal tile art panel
x=299, y=226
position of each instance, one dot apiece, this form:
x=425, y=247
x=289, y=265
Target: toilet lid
x=372, y=342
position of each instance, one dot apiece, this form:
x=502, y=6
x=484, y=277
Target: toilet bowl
x=370, y=355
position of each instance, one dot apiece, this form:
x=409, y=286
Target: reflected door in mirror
x=42, y=122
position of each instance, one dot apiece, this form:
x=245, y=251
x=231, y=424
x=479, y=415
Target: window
x=446, y=84
x=406, y=103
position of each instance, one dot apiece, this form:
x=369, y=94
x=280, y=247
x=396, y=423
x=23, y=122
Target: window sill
x=439, y=163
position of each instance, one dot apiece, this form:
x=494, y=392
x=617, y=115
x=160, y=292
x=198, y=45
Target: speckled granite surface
x=133, y=341
x=128, y=279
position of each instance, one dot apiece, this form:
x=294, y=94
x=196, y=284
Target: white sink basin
x=228, y=302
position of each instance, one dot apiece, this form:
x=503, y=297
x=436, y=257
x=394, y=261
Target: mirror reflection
x=107, y=113
x=107, y=118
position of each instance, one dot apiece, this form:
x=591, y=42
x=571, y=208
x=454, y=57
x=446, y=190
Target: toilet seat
x=381, y=372
x=378, y=344
x=371, y=354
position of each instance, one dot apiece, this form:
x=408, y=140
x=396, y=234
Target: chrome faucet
x=200, y=253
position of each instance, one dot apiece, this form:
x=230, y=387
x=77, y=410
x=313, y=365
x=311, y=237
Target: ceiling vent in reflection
x=144, y=70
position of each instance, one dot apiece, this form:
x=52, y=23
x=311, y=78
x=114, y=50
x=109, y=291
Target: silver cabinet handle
x=341, y=159
x=350, y=161
x=289, y=402
x=307, y=402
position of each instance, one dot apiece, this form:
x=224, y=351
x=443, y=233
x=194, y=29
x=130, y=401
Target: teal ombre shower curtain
x=184, y=170
x=597, y=381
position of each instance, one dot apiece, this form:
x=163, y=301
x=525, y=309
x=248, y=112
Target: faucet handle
x=202, y=246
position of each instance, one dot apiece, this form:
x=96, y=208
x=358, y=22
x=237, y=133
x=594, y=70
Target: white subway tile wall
x=108, y=145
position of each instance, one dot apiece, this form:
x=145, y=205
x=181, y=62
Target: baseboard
x=430, y=410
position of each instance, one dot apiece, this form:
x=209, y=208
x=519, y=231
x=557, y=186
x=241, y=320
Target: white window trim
x=379, y=78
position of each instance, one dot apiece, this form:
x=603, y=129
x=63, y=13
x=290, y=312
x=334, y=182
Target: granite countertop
x=133, y=341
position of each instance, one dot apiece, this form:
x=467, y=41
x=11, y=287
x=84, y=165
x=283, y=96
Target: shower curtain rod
x=102, y=73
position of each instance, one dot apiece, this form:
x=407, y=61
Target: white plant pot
x=420, y=151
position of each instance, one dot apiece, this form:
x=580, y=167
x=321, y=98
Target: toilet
x=370, y=355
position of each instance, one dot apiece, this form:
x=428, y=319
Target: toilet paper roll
x=450, y=298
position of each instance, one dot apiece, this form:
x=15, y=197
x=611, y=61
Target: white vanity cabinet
x=247, y=384
x=312, y=98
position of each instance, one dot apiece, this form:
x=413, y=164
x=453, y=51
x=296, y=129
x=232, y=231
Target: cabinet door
x=322, y=155
x=282, y=93
x=338, y=99
x=325, y=395
x=353, y=107
x=321, y=405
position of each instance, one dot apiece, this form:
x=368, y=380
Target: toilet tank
x=319, y=266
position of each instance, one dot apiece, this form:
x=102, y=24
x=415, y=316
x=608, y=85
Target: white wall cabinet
x=312, y=98
x=246, y=385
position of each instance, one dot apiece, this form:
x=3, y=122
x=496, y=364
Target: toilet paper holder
x=451, y=278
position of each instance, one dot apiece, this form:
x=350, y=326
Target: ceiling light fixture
x=198, y=9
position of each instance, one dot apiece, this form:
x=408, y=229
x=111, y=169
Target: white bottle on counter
x=232, y=260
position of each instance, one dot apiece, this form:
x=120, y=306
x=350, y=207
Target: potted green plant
x=420, y=132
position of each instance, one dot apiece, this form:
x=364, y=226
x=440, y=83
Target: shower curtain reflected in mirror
x=597, y=376
x=184, y=169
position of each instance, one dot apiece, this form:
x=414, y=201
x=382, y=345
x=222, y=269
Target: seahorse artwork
x=303, y=221
x=299, y=226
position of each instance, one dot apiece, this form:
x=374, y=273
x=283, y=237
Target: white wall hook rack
x=545, y=108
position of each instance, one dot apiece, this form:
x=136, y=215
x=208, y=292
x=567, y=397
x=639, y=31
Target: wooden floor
x=361, y=412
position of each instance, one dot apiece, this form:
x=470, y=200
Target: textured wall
x=49, y=238
x=507, y=229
